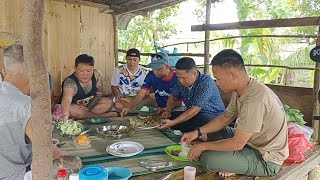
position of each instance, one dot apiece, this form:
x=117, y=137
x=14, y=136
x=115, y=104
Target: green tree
x=272, y=51
x=144, y=32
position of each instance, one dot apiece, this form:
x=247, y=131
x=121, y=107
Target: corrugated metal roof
x=125, y=10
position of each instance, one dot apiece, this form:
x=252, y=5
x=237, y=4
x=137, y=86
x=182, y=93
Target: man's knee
x=118, y=105
x=214, y=161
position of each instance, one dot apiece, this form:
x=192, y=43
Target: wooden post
x=315, y=123
x=33, y=25
x=207, y=40
x=115, y=28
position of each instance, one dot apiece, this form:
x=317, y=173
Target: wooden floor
x=287, y=172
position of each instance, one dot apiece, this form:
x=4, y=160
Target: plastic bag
x=294, y=128
x=298, y=145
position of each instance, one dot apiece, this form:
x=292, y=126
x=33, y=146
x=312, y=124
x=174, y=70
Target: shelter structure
x=73, y=27
x=297, y=170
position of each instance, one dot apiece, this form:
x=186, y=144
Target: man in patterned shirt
x=161, y=80
x=200, y=94
x=127, y=79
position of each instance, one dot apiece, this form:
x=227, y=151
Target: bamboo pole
x=248, y=36
x=115, y=48
x=306, y=21
x=207, y=39
x=41, y=118
x=315, y=123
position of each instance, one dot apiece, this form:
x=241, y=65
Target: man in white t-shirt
x=127, y=79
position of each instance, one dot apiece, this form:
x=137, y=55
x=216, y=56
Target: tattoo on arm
x=69, y=83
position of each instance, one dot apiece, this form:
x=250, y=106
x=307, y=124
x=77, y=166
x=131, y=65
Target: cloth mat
x=154, y=143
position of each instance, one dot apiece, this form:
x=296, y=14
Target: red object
x=62, y=173
x=298, y=145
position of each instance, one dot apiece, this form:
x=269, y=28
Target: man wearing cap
x=200, y=94
x=161, y=80
x=127, y=79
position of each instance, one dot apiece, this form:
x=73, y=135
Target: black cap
x=133, y=52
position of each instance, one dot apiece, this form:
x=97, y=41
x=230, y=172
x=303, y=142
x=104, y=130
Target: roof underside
x=125, y=10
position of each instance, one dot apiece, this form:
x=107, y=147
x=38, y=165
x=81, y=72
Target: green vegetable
x=70, y=128
x=294, y=115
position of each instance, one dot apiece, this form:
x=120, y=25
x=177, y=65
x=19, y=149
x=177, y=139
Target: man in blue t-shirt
x=200, y=94
x=161, y=80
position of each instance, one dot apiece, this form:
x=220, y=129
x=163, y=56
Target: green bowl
x=169, y=149
x=97, y=120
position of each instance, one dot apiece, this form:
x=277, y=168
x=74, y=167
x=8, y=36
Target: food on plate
x=70, y=128
x=144, y=109
x=175, y=152
x=83, y=140
x=148, y=122
x=185, y=150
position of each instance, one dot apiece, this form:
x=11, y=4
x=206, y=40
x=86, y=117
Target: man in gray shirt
x=15, y=113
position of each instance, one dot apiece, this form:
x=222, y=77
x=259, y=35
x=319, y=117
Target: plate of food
x=149, y=122
x=114, y=131
x=146, y=109
x=172, y=133
x=71, y=128
x=97, y=120
x=177, y=152
x=82, y=141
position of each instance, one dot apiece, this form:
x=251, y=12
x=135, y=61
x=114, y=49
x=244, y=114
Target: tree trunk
x=33, y=24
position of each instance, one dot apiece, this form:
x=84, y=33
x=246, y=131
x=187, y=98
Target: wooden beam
x=295, y=171
x=316, y=91
x=144, y=5
x=207, y=40
x=307, y=21
x=86, y=3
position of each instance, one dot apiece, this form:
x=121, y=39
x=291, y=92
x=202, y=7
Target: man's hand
x=124, y=112
x=188, y=137
x=166, y=114
x=195, y=151
x=166, y=123
x=56, y=152
x=119, y=97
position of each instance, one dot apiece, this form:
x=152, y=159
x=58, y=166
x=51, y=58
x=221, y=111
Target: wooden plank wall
x=1, y=58
x=295, y=97
x=97, y=39
x=70, y=30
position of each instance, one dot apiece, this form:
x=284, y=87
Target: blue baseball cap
x=157, y=64
x=161, y=59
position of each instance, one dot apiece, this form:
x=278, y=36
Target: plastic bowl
x=118, y=173
x=97, y=120
x=169, y=150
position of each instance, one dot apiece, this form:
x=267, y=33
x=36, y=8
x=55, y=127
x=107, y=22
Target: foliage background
x=146, y=32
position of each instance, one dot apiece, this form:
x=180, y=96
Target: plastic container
x=93, y=173
x=118, y=173
x=74, y=177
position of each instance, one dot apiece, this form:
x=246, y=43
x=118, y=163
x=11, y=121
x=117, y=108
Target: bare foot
x=110, y=114
x=226, y=174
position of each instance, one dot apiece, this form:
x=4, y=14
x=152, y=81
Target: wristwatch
x=199, y=132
